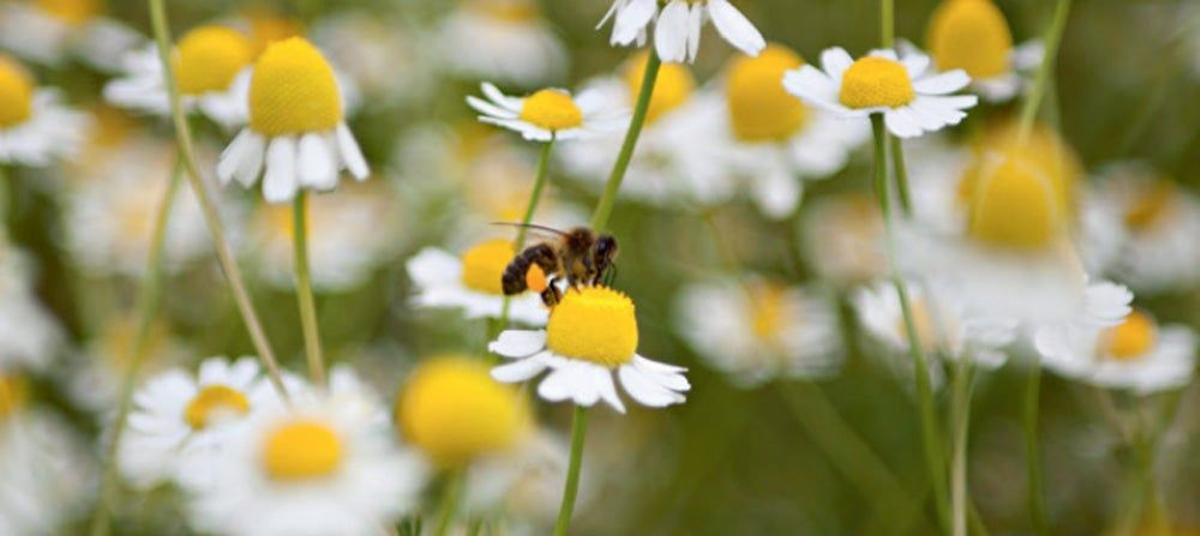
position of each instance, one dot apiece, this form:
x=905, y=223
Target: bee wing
x=542, y=230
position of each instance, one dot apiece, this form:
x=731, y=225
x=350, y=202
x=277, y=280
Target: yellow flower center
x=767, y=310
x=293, y=90
x=16, y=93
x=971, y=35
x=1043, y=148
x=267, y=27
x=14, y=392
x=215, y=402
x=874, y=82
x=1130, y=340
x=673, y=87
x=483, y=267
x=454, y=411
x=1151, y=206
x=1014, y=205
x=511, y=11
x=208, y=58
x=71, y=12
x=302, y=450
x=551, y=109
x=594, y=324
x=759, y=108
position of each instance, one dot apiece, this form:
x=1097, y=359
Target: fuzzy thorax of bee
x=596, y=324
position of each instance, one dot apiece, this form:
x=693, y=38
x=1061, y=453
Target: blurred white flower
x=95, y=380
x=35, y=127
x=503, y=40
x=843, y=237
x=29, y=333
x=549, y=113
x=47, y=32
x=473, y=282
x=678, y=25
x=370, y=49
x=48, y=478
x=974, y=36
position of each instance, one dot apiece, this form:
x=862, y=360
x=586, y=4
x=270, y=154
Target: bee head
x=606, y=247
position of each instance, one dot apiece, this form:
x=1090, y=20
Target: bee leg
x=609, y=275
x=551, y=295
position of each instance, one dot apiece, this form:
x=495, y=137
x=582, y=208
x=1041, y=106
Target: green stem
x=1033, y=462
x=887, y=23
x=149, y=297
x=901, y=171
x=578, y=432
x=304, y=292
x=961, y=417
x=6, y=202
x=183, y=134
x=449, y=505
x=605, y=205
x=934, y=456
x=1052, y=41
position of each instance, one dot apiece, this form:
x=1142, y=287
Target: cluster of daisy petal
x=735, y=175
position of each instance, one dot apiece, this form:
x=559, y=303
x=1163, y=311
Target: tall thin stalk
x=1053, y=39
x=960, y=412
x=571, y=488
x=304, y=292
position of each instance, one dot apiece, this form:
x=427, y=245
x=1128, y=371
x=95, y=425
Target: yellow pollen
x=876, y=82
x=594, y=324
x=1044, y=148
x=551, y=109
x=214, y=402
x=1131, y=339
x=759, y=108
x=971, y=35
x=14, y=393
x=293, y=91
x=454, y=411
x=483, y=265
x=673, y=87
x=71, y=12
x=1151, y=206
x=767, y=309
x=301, y=450
x=209, y=58
x=16, y=93
x=1014, y=205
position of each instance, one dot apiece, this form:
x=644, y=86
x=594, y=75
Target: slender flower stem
x=1052, y=41
x=183, y=134
x=887, y=23
x=149, y=297
x=304, y=292
x=605, y=205
x=449, y=504
x=578, y=432
x=901, y=171
x=931, y=436
x=1033, y=460
x=960, y=411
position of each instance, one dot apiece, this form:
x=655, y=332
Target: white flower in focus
x=503, y=40
x=47, y=32
x=297, y=137
x=974, y=36
x=760, y=330
x=29, y=333
x=549, y=113
x=35, y=127
x=472, y=282
x=591, y=336
x=678, y=25
x=912, y=99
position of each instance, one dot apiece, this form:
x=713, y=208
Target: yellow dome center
x=1044, y=149
x=208, y=58
x=14, y=393
x=214, y=402
x=71, y=12
x=454, y=411
x=267, y=27
x=1151, y=206
x=302, y=450
x=594, y=324
x=760, y=109
x=673, y=86
x=971, y=35
x=1131, y=339
x=1014, y=205
x=483, y=265
x=876, y=82
x=551, y=109
x=16, y=93
x=767, y=310
x=293, y=90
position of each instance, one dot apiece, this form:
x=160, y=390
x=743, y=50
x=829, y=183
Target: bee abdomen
x=513, y=280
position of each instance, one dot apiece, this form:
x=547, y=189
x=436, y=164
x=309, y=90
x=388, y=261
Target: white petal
x=915, y=64
x=519, y=371
x=232, y=157
x=350, y=154
x=735, y=27
x=642, y=388
x=280, y=183
x=255, y=150
x=810, y=84
x=900, y=123
x=943, y=84
x=487, y=108
x=632, y=20
x=518, y=343
x=671, y=32
x=493, y=93
x=318, y=169
x=668, y=376
x=776, y=191
x=835, y=61
x=695, y=28
x=608, y=392
x=556, y=387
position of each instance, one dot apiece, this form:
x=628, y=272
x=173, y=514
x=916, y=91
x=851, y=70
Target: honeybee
x=580, y=256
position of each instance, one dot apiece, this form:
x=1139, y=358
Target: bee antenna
x=531, y=226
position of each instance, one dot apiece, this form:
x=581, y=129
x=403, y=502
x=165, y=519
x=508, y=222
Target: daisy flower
x=35, y=127
x=369, y=49
x=912, y=99
x=843, y=235
x=548, y=114
x=760, y=330
x=211, y=65
x=508, y=41
x=471, y=282
x=47, y=32
x=29, y=333
x=296, y=132
x=328, y=465
x=974, y=36
x=678, y=24
x=1137, y=354
x=179, y=421
x=591, y=336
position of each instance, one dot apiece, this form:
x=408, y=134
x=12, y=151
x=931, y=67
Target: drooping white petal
x=280, y=183
x=943, y=84
x=642, y=388
x=556, y=387
x=351, y=155
x=318, y=167
x=670, y=34
x=608, y=391
x=487, y=108
x=835, y=61
x=493, y=93
x=254, y=152
x=518, y=343
x=901, y=123
x=519, y=370
x=735, y=27
x=632, y=19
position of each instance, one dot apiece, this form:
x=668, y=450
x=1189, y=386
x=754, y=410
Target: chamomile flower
x=508, y=41
x=179, y=421
x=974, y=36
x=548, y=113
x=369, y=49
x=29, y=333
x=211, y=65
x=1138, y=354
x=592, y=334
x=472, y=282
x=328, y=465
x=760, y=330
x=47, y=32
x=678, y=24
x=912, y=99
x=297, y=132
x=35, y=127
x=843, y=235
